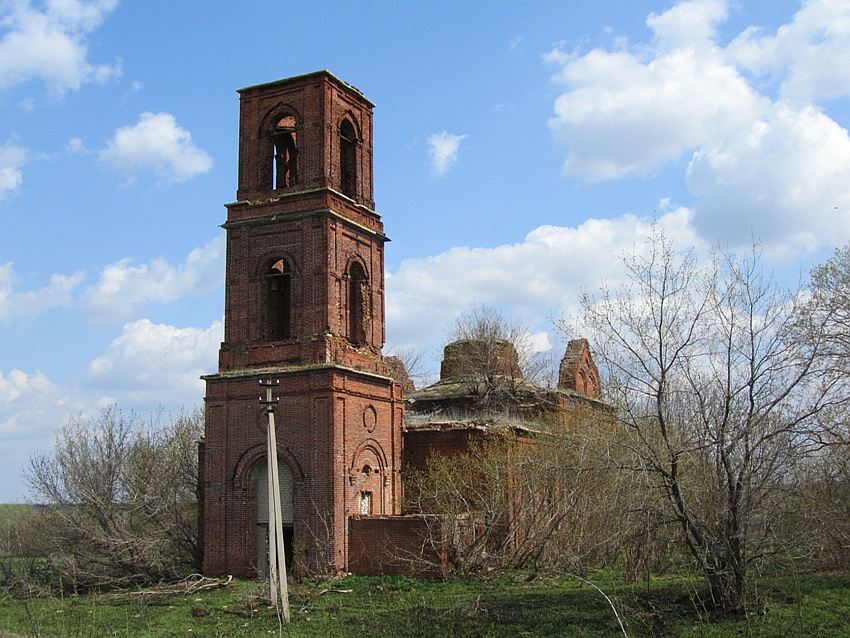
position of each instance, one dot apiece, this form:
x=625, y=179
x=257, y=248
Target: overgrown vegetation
x=508, y=605
x=119, y=505
x=547, y=504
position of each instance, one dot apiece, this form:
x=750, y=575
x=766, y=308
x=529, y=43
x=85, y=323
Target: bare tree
x=542, y=503
x=122, y=503
x=718, y=396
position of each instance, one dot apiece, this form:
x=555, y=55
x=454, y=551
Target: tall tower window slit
x=279, y=301
x=285, y=143
x=348, y=158
x=358, y=300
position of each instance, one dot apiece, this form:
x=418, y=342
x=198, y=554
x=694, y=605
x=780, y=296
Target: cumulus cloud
x=124, y=286
x=773, y=169
x=75, y=146
x=443, y=148
x=49, y=43
x=786, y=179
x=156, y=143
x=12, y=158
x=811, y=54
x=149, y=362
x=544, y=272
x=622, y=114
x=28, y=304
x=688, y=24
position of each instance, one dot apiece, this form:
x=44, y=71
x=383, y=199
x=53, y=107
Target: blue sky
x=518, y=153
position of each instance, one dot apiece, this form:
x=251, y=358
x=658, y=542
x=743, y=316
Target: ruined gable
x=578, y=372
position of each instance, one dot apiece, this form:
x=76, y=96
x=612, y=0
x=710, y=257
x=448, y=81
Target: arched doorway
x=261, y=507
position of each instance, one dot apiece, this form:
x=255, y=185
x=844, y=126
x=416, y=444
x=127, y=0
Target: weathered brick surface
x=323, y=437
x=340, y=416
x=391, y=545
x=419, y=444
x=321, y=101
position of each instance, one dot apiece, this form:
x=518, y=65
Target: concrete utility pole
x=277, y=555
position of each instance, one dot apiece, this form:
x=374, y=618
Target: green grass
x=805, y=606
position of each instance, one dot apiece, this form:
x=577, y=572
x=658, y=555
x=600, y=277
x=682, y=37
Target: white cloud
x=14, y=384
x=774, y=170
x=811, y=54
x=32, y=407
x=153, y=363
x=49, y=44
x=121, y=287
x=622, y=115
x=75, y=146
x=157, y=143
x=688, y=24
x=545, y=272
x=443, y=148
x=31, y=303
x=785, y=181
x=536, y=342
x=124, y=285
x=12, y=158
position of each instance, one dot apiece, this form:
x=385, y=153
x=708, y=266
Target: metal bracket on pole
x=269, y=401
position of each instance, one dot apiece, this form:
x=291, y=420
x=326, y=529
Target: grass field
x=10, y=514
x=803, y=606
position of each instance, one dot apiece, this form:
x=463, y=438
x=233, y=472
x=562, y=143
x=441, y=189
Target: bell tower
x=304, y=303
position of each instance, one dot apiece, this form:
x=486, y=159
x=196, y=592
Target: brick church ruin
x=304, y=303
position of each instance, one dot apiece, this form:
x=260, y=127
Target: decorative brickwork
x=305, y=254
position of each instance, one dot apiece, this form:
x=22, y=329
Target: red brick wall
x=391, y=545
x=320, y=249
x=339, y=412
x=321, y=101
x=322, y=437
x=419, y=444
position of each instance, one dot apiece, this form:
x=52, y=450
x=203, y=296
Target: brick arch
x=374, y=447
x=349, y=155
x=265, y=145
x=356, y=258
x=355, y=123
x=263, y=312
x=269, y=119
x=357, y=303
x=251, y=457
x=373, y=483
x=271, y=256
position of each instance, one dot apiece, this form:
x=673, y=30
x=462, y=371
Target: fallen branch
x=333, y=590
x=192, y=584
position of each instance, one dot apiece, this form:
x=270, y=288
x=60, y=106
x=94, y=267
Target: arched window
x=285, y=148
x=348, y=158
x=278, y=301
x=358, y=304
